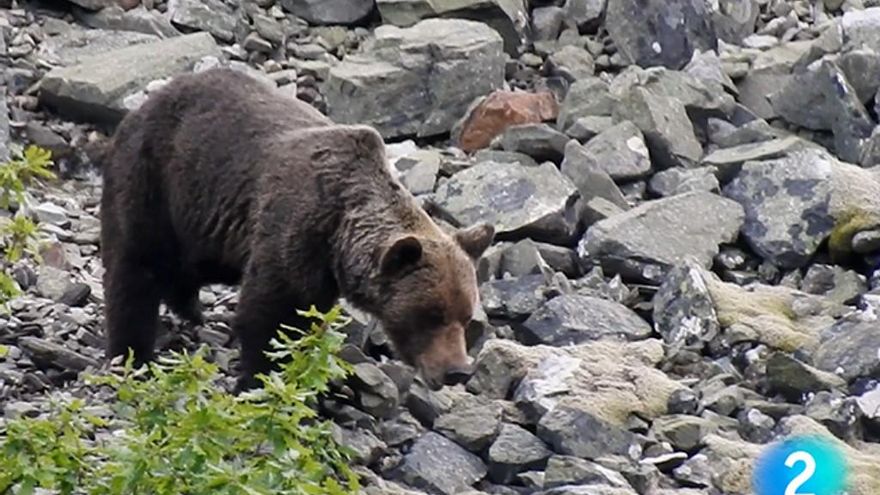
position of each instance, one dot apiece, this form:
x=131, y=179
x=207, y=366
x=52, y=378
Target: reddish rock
x=500, y=110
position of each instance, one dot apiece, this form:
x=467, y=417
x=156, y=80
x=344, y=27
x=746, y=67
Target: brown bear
x=218, y=178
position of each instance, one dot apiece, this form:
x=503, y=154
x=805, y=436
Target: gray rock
x=377, y=393
x=571, y=62
x=419, y=80
x=677, y=180
x=683, y=432
x=74, y=46
x=4, y=127
x=419, y=171
x=646, y=241
x=329, y=11
x=53, y=283
x=834, y=282
x=835, y=411
x=473, y=428
x=787, y=206
x=438, y=465
x=95, y=88
x=734, y=20
x=619, y=151
x=696, y=471
x=866, y=242
x=212, y=16
x=585, y=98
x=862, y=70
x=138, y=19
x=366, y=447
x=665, y=123
x=850, y=350
x=523, y=258
x=861, y=28
x=539, y=141
x=564, y=470
x=869, y=403
x=585, y=14
x=519, y=201
x=513, y=298
x=578, y=433
x=727, y=135
x=676, y=28
x=515, y=450
x=708, y=68
x=794, y=379
x=684, y=313
x=546, y=23
x=821, y=98
x=508, y=17
x=729, y=161
x=574, y=319
x=48, y=212
x=586, y=128
x=47, y=353
x=755, y=426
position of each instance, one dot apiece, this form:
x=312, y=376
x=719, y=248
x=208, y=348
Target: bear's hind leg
x=132, y=310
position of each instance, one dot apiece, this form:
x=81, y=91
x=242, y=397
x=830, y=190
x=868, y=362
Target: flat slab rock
x=439, y=466
x=574, y=319
x=94, y=89
x=644, y=242
x=505, y=16
x=418, y=80
x=520, y=200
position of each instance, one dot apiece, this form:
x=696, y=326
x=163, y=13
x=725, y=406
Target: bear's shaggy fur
x=219, y=179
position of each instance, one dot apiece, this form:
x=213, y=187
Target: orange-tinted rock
x=500, y=110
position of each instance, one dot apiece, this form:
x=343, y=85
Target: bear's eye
x=433, y=317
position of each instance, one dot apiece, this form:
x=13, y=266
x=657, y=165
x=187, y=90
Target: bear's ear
x=403, y=251
x=475, y=240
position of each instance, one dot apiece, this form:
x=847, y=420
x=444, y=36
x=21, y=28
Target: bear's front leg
x=131, y=295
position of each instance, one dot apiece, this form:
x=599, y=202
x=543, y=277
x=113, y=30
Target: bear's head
x=430, y=294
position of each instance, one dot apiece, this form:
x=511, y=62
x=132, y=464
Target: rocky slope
x=686, y=193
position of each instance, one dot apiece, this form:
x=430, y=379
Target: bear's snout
x=445, y=361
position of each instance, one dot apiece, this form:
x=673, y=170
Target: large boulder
x=793, y=204
x=509, y=17
x=418, y=80
x=94, y=89
x=660, y=32
x=645, y=242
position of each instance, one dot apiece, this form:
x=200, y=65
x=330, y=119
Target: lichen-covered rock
x=734, y=460
x=607, y=378
x=795, y=203
x=518, y=200
x=418, y=80
x=693, y=305
x=646, y=241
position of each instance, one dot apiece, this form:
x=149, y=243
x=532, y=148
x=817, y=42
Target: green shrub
x=18, y=235
x=177, y=432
